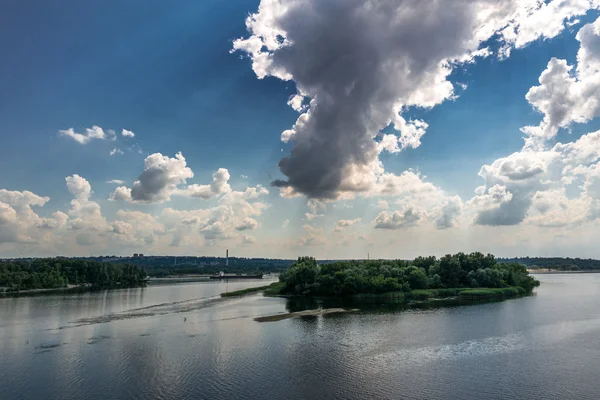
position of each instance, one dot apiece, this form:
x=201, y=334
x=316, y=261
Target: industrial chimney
x=226, y=257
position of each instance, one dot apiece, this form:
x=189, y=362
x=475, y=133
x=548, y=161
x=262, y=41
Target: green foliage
x=424, y=262
x=425, y=276
x=274, y=289
x=58, y=273
x=511, y=291
x=450, y=270
x=435, y=293
x=418, y=279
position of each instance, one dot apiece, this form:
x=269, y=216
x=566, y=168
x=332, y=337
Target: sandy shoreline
x=306, y=313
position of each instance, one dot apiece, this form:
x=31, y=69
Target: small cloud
x=285, y=223
x=126, y=133
x=398, y=219
x=343, y=223
x=247, y=224
x=93, y=133
x=244, y=176
x=116, y=181
x=116, y=151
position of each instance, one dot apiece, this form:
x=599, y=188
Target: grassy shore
x=469, y=294
x=421, y=294
x=484, y=294
x=275, y=288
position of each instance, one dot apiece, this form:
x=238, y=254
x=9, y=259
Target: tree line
x=347, y=278
x=58, y=273
x=556, y=263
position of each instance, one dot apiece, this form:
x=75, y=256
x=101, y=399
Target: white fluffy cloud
x=93, y=133
x=536, y=19
x=344, y=223
x=126, y=133
x=567, y=95
x=222, y=222
x=164, y=177
x=527, y=182
x=447, y=213
x=531, y=185
x=18, y=222
x=247, y=224
x=218, y=186
x=161, y=177
x=83, y=227
x=379, y=72
x=85, y=216
x=404, y=218
x=412, y=192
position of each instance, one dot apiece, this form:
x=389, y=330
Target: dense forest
x=161, y=266
x=555, y=263
x=58, y=273
x=347, y=278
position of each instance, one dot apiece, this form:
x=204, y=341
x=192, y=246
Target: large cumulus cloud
x=535, y=179
x=567, y=95
x=360, y=65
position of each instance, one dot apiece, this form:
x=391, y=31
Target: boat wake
x=151, y=311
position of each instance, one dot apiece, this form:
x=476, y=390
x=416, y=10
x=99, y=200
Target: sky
x=282, y=128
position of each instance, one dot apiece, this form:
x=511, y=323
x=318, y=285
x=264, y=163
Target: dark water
x=135, y=344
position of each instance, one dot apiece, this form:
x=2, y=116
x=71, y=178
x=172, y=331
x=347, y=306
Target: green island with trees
x=472, y=276
x=55, y=273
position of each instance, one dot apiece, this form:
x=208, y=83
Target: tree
x=424, y=262
x=435, y=281
x=450, y=271
x=418, y=279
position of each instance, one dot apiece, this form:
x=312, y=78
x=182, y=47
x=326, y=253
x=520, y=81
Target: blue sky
x=167, y=72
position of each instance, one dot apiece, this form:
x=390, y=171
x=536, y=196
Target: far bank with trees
x=57, y=273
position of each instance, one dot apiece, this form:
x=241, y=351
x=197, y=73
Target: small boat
x=222, y=275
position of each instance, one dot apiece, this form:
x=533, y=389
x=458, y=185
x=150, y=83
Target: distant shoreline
x=556, y=271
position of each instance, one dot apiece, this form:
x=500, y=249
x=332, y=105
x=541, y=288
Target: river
x=184, y=342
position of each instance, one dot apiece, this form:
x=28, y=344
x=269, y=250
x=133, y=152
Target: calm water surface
x=135, y=344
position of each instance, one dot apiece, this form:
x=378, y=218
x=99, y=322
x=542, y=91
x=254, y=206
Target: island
x=472, y=276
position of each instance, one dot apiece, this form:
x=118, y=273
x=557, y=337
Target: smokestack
x=226, y=257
